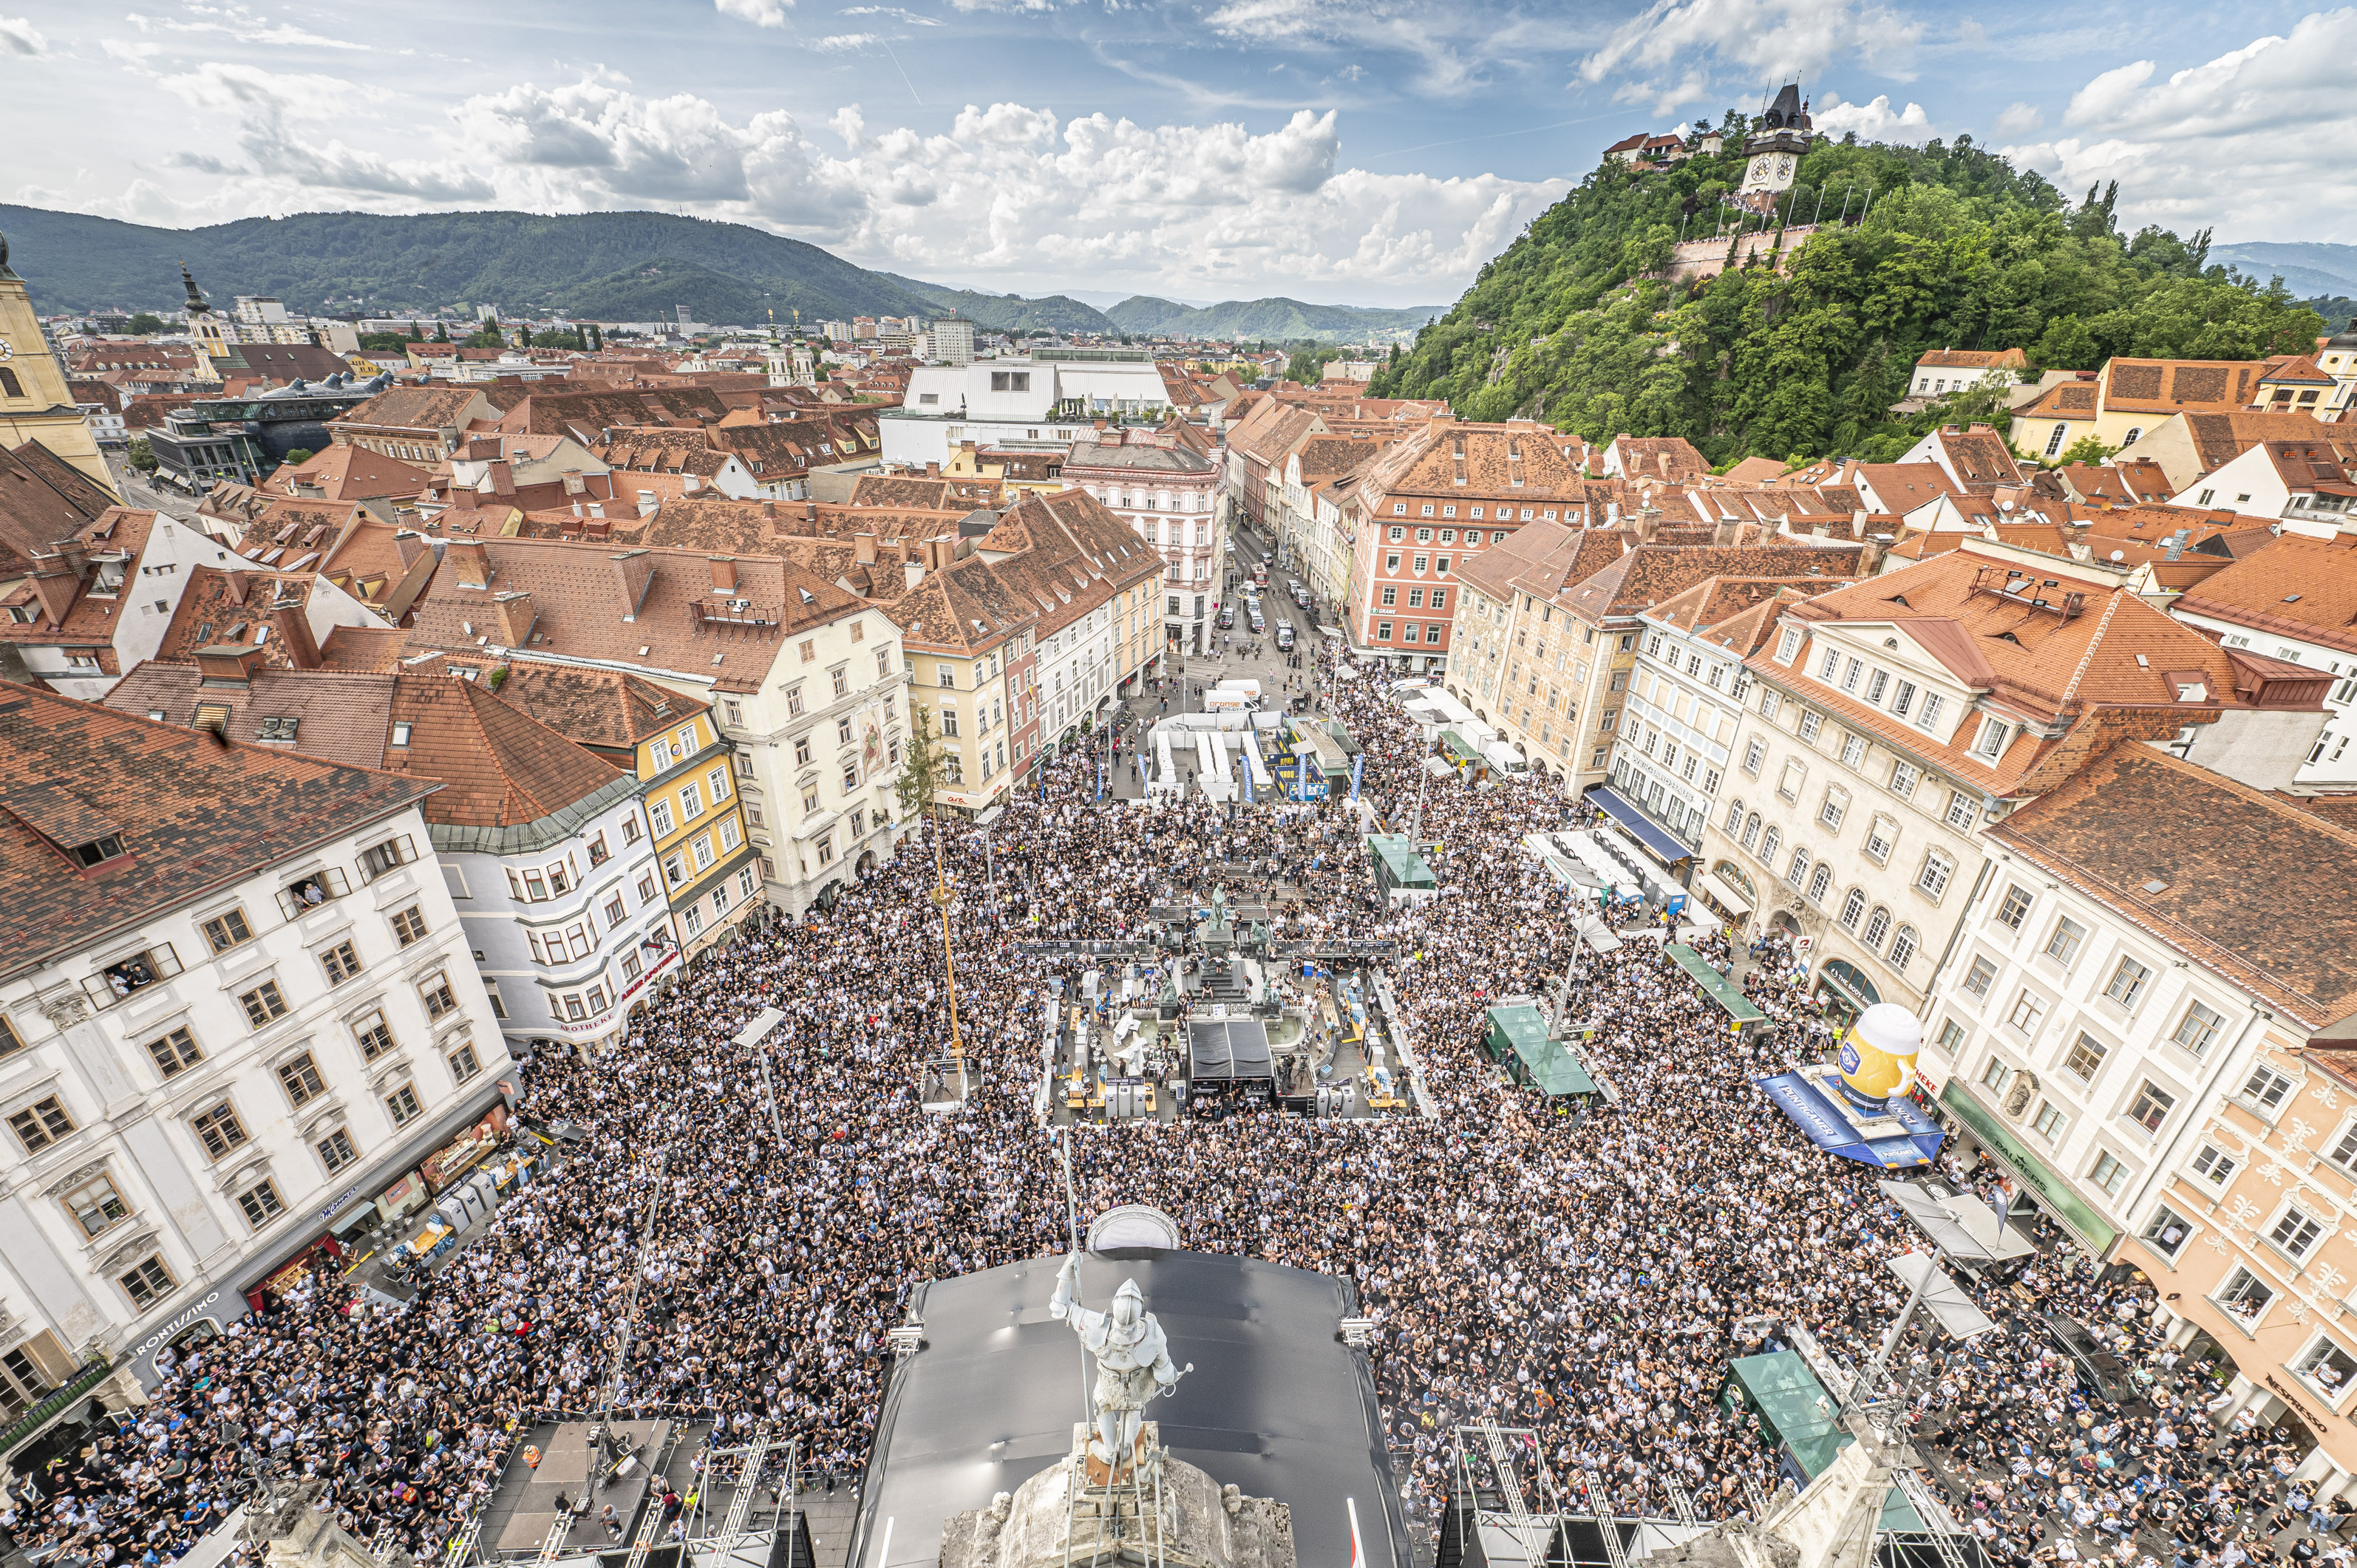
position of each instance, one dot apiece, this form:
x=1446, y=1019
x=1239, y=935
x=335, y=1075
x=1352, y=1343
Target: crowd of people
x=723, y=1253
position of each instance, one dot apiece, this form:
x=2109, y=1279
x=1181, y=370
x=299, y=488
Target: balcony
x=54, y=1404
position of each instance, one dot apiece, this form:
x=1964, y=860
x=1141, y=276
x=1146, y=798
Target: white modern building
x=1051, y=396
x=238, y=1018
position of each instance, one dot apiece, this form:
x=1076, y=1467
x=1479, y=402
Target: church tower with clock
x=1773, y=151
x=35, y=404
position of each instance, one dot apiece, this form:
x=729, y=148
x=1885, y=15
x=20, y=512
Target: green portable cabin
x=1517, y=1039
x=1400, y=873
x=1796, y=1417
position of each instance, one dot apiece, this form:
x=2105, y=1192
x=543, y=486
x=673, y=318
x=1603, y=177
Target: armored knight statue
x=1133, y=1360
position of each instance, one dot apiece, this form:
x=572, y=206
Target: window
x=1903, y=776
x=1881, y=838
x=11, y=1042
x=174, y=1053
x=1937, y=869
x=264, y=1005
x=261, y=1203
x=340, y=963
x=1852, y=909
x=133, y=971
x=219, y=1130
x=1821, y=881
x=631, y=830
x=802, y=753
x=2127, y=982
x=1826, y=671
x=439, y=999
x=370, y=1033
x=409, y=926
x=1811, y=723
x=1961, y=810
x=1787, y=645
x=2198, y=1030
x=2028, y=1008
x=2064, y=944
x=2265, y=1089
x=307, y=893
x=1993, y=1076
x=1830, y=813
x=2015, y=905
x=1734, y=815
x=1902, y=699
x=2167, y=1231
x=1768, y=845
x=401, y=1105
x=1877, y=926
x=2085, y=1059
x=2049, y=1121
x=1902, y=949
x=1768, y=705
x=464, y=1063
x=716, y=782
x=1789, y=785
x=227, y=929
x=336, y=1150
x=1799, y=872
x=2214, y=1165
x=378, y=859
x=96, y=1206
x=599, y=854
x=300, y=1079
x=1853, y=752
x=2151, y=1107
x=1753, y=755
x=1977, y=980
x=40, y=1124
x=691, y=802
x=1990, y=744
x=2295, y=1232
x=1952, y=1036
x=147, y=1283
x=2109, y=1174
x=1929, y=716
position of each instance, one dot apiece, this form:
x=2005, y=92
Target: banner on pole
x=1358, y=766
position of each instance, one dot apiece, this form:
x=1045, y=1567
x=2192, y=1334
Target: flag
x=1243, y=766
x=1358, y=766
x=1358, y=1548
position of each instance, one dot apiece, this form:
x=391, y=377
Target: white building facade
x=1169, y=495
x=1053, y=395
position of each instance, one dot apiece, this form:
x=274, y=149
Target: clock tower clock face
x=1759, y=167
x=1783, y=168
x=6, y=350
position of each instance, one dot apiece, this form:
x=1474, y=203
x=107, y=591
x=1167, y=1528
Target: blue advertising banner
x=1358, y=766
x=1821, y=1120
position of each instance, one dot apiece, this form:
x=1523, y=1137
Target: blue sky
x=1353, y=151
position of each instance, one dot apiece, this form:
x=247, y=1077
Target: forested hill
x=1957, y=248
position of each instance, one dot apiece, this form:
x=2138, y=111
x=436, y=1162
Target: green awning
x=1730, y=998
x=1795, y=1410
x=2054, y=1193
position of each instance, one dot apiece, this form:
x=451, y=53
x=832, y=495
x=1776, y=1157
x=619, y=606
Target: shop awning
x=1518, y=1036
x=1823, y=1123
x=1725, y=897
x=1639, y=826
x=2053, y=1194
x=1715, y=985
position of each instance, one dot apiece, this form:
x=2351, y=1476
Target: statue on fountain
x=1133, y=1361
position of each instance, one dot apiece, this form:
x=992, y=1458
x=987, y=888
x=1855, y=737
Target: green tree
x=142, y=457
x=1649, y=250
x=298, y=455
x=147, y=324
x=2087, y=449
x=441, y=332
x=923, y=768
x=2067, y=346
x=382, y=342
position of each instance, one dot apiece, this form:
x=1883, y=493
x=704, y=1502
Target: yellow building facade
x=711, y=869
x=35, y=403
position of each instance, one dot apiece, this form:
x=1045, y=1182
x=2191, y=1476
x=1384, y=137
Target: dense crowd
x=1587, y=1277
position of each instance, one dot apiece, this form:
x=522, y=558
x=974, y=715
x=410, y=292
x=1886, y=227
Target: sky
x=1362, y=152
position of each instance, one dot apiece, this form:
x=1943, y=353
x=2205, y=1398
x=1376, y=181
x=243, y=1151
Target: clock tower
x=35, y=404
x=1772, y=153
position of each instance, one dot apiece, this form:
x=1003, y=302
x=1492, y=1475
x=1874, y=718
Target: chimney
x=769, y=510
x=233, y=586
x=1870, y=558
x=498, y=477
x=294, y=632
x=482, y=449
x=913, y=572
x=863, y=547
x=650, y=502
x=465, y=557
x=724, y=574
x=228, y=664
x=932, y=470
x=515, y=622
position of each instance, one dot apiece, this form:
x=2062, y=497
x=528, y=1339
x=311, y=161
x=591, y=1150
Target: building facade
x=1167, y=494
x=240, y=1016
x=711, y=866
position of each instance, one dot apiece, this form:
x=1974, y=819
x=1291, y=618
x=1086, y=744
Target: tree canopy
x=1582, y=323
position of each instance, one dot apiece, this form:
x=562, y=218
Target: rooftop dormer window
x=97, y=852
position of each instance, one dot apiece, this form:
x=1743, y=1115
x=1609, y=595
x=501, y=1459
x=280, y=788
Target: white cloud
x=846, y=43
x=2253, y=141
x=267, y=105
x=1873, y=122
x=897, y=14
x=2020, y=119
x=1456, y=43
x=19, y=36
x=1757, y=40
x=239, y=23
x=761, y=12
x=1013, y=196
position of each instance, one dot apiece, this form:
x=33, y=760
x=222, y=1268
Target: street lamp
x=986, y=822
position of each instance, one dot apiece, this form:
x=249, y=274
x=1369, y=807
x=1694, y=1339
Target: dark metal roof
x=1276, y=1404
x=1228, y=1048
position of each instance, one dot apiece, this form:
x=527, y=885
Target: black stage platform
x=1276, y=1404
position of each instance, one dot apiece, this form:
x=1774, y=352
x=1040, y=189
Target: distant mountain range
x=2307, y=267
x=1276, y=320
x=606, y=266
